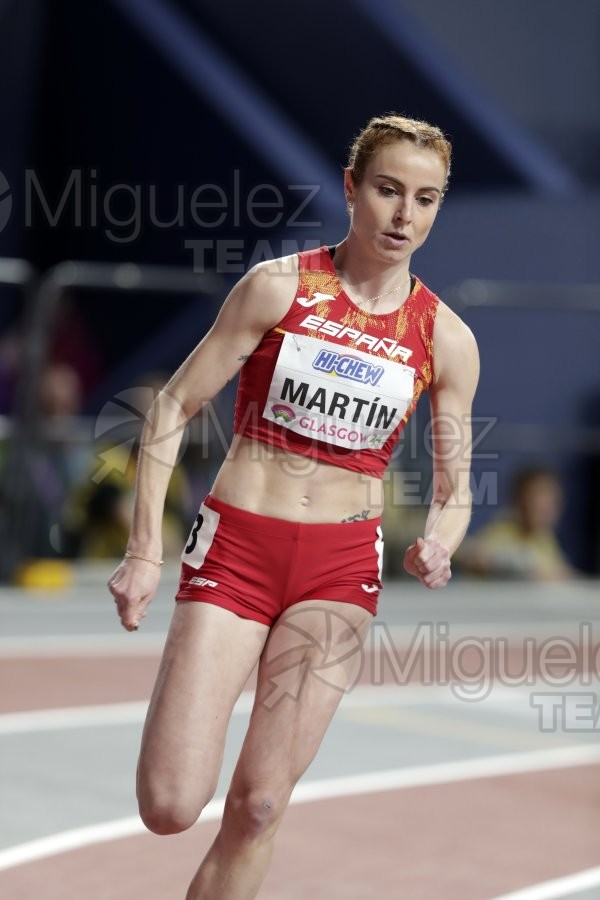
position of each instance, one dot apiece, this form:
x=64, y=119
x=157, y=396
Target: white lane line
x=77, y=645
x=558, y=887
x=83, y=837
x=323, y=789
x=102, y=714
x=118, y=643
x=72, y=717
x=442, y=773
x=106, y=714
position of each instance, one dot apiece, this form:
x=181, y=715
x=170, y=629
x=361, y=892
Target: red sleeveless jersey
x=333, y=382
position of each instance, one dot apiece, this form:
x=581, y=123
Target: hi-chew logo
x=347, y=366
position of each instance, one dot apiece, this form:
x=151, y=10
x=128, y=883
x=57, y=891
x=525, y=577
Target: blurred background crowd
x=155, y=149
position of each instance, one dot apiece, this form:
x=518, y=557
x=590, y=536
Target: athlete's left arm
x=456, y=362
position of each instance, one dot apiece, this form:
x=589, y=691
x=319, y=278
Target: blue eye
x=387, y=191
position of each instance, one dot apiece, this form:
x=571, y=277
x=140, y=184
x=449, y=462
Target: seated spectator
x=522, y=543
x=97, y=515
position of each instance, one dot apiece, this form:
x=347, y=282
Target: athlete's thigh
x=314, y=655
x=208, y=657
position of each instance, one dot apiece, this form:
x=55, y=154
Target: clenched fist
x=429, y=561
x=133, y=585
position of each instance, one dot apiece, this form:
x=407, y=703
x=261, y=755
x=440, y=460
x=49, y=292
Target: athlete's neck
x=366, y=277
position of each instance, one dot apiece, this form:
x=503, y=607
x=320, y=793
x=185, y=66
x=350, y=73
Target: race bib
x=201, y=537
x=337, y=394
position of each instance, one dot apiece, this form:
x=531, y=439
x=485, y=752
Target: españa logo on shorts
x=347, y=366
x=205, y=582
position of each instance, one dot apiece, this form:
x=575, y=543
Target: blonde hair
x=387, y=129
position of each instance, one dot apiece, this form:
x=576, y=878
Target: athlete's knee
x=170, y=814
x=256, y=812
x=166, y=820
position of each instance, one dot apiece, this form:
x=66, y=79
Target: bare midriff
x=268, y=481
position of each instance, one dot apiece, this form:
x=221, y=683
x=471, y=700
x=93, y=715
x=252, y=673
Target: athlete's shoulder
x=454, y=344
x=261, y=297
x=450, y=327
x=266, y=291
x=273, y=275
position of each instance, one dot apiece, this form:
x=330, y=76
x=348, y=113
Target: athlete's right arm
x=257, y=303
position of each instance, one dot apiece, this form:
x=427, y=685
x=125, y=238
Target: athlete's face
x=395, y=205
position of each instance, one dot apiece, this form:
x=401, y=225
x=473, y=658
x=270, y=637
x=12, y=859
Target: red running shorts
x=258, y=566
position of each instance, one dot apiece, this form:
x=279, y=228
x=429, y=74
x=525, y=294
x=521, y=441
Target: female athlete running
x=335, y=347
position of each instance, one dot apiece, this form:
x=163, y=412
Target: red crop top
x=333, y=382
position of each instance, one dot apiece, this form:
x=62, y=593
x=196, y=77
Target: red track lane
x=42, y=682
x=463, y=841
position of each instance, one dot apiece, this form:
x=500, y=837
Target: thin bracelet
x=129, y=555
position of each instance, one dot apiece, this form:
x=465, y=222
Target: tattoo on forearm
x=243, y=358
x=358, y=517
